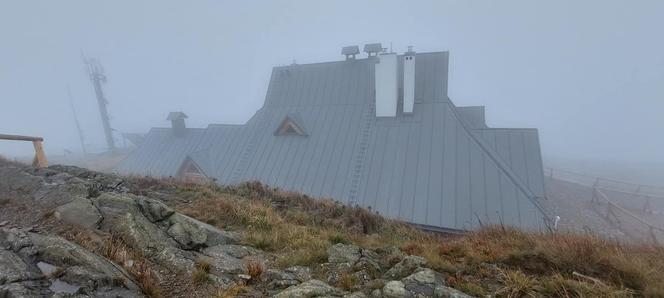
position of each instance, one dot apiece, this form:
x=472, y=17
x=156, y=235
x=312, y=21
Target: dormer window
x=290, y=127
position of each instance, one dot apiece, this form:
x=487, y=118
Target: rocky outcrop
x=33, y=265
x=36, y=263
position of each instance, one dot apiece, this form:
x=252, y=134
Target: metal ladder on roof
x=368, y=123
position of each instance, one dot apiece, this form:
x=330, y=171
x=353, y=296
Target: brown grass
x=255, y=267
x=347, y=281
x=298, y=230
x=234, y=291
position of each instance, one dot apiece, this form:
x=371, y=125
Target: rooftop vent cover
x=373, y=48
x=350, y=52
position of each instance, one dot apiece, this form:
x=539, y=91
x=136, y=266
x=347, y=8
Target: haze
x=587, y=74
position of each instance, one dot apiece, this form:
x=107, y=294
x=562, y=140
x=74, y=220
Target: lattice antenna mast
x=97, y=77
x=78, y=125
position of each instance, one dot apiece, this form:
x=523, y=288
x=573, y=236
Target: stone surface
x=343, y=253
x=405, y=267
x=447, y=292
x=424, y=281
x=153, y=210
x=78, y=270
x=311, y=288
x=394, y=289
x=13, y=269
x=355, y=295
x=79, y=212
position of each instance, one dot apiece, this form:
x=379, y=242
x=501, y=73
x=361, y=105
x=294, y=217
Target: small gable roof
x=291, y=125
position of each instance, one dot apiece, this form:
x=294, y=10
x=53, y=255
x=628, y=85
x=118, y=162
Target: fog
x=589, y=75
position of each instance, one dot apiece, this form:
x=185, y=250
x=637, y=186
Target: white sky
x=588, y=74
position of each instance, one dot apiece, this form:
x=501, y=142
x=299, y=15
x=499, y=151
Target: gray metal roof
x=440, y=166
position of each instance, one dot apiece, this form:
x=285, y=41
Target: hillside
x=68, y=230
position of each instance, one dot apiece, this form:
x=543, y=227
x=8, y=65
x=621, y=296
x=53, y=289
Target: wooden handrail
x=20, y=138
x=40, y=157
x=630, y=214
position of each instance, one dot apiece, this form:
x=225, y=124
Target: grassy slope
x=298, y=230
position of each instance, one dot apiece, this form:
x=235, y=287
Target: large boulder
x=186, y=233
x=79, y=212
x=424, y=282
x=343, y=253
x=311, y=288
x=405, y=267
x=394, y=289
x=153, y=210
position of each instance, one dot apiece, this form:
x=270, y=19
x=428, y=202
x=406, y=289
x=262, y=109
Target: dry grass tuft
x=517, y=284
x=347, y=281
x=232, y=292
x=255, y=267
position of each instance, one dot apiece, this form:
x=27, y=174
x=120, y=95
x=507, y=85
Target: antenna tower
x=97, y=77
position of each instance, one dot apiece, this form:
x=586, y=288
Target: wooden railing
x=40, y=158
x=609, y=193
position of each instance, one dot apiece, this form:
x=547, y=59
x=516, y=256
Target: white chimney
x=386, y=85
x=408, y=81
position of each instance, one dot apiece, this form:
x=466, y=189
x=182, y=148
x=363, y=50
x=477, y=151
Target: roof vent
x=177, y=123
x=372, y=49
x=350, y=52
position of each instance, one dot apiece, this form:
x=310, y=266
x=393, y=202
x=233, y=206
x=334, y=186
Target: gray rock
x=153, y=210
x=215, y=236
x=405, y=267
x=301, y=273
x=343, y=253
x=280, y=279
x=236, y=251
x=376, y=293
x=368, y=265
x=13, y=269
x=355, y=295
x=447, y=292
x=311, y=288
x=424, y=281
x=79, y=212
x=82, y=271
x=222, y=262
x=394, y=289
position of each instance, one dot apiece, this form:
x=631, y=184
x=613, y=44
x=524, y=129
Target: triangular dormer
x=290, y=127
x=190, y=172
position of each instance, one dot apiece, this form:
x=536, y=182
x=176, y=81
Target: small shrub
x=4, y=202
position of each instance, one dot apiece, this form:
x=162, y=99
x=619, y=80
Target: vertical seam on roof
x=417, y=170
x=428, y=179
x=525, y=158
x=442, y=166
x=456, y=174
